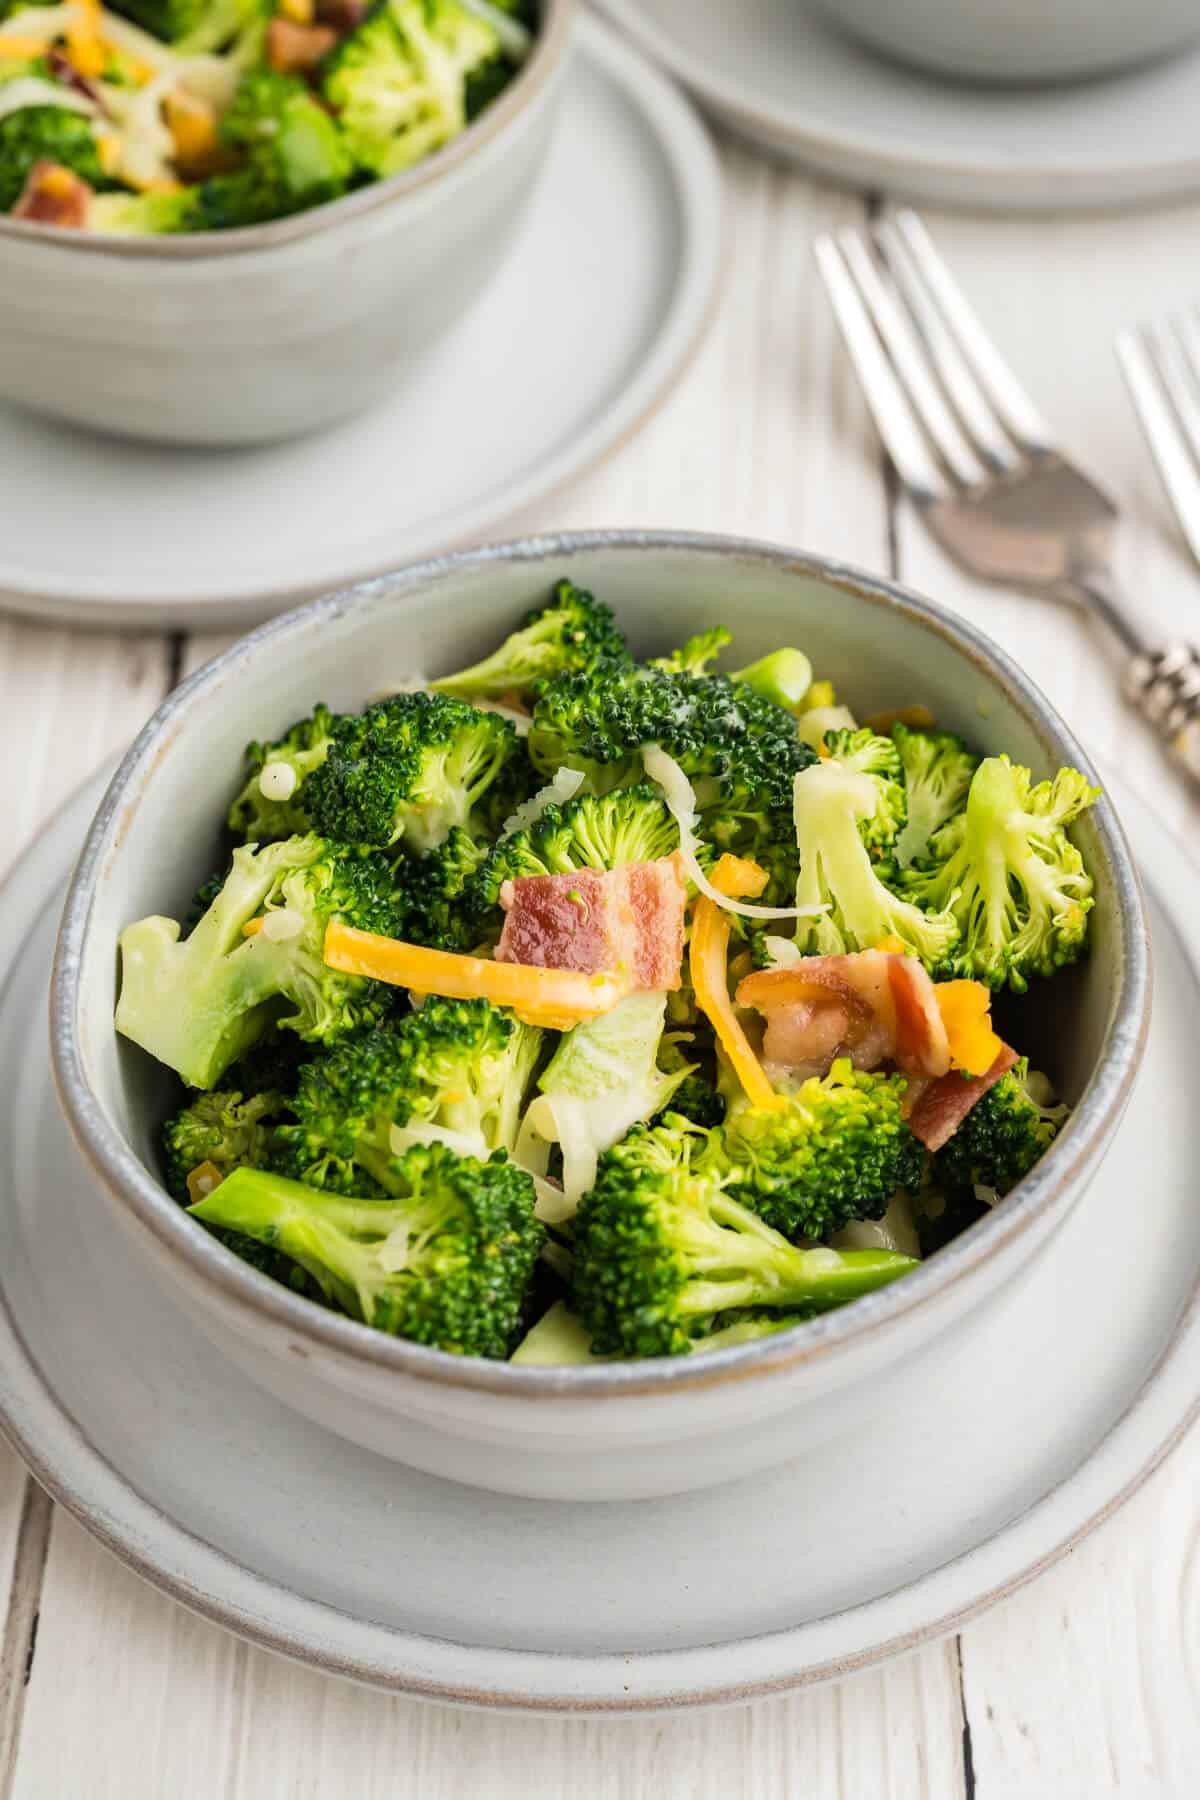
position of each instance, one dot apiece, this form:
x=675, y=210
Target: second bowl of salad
x=582, y=1054
x=227, y=221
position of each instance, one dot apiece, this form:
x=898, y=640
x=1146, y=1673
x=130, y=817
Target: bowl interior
x=162, y=835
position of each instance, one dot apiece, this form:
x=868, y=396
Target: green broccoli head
x=838, y=1151
x=1003, y=1135
x=197, y=26
x=408, y=768
x=867, y=753
x=664, y=1254
x=1006, y=872
x=271, y=804
x=837, y=873
x=55, y=134
x=456, y=1066
x=573, y=632
x=696, y=654
x=198, y=1003
x=398, y=81
x=437, y=893
x=609, y=831
x=937, y=769
x=223, y=1129
x=444, y=1259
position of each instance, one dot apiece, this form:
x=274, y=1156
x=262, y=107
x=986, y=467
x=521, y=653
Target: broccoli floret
x=1003, y=1135
x=457, y=1066
x=156, y=214
x=411, y=767
x=573, y=632
x=785, y=677
x=937, y=768
x=272, y=1065
x=609, y=831
x=53, y=134
x=445, y=1259
x=398, y=82
x=1008, y=874
x=837, y=1151
x=836, y=872
x=278, y=812
x=438, y=895
x=199, y=1003
x=696, y=653
x=196, y=26
x=664, y=1254
x=869, y=754
x=224, y=1129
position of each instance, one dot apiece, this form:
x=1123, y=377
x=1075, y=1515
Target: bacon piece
x=922, y=1047
x=53, y=195
x=627, y=922
x=945, y=1103
x=872, y=1006
x=297, y=49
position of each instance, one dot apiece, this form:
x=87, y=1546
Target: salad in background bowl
x=255, y=228
x=587, y=1053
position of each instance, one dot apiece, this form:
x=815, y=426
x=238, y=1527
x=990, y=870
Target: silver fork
x=980, y=463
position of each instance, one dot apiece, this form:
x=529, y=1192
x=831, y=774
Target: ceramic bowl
x=259, y=334
x=621, y=1430
x=1019, y=40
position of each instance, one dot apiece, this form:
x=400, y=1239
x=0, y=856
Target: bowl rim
x=1043, y=1198
x=549, y=43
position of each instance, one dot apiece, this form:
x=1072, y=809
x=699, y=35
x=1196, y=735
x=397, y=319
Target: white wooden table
x=1088, y=1681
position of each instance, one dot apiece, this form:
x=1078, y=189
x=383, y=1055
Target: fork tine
x=982, y=427
x=1161, y=426
x=910, y=362
x=902, y=436
x=1022, y=420
x=1179, y=360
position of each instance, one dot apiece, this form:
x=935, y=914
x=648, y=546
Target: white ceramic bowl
x=621, y=1430
x=252, y=335
x=1019, y=40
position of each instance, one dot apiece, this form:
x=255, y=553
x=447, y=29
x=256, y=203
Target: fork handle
x=1164, y=685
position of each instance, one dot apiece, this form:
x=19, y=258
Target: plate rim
x=192, y=1570
x=941, y=172
x=691, y=162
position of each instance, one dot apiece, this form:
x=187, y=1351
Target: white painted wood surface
x=1087, y=1682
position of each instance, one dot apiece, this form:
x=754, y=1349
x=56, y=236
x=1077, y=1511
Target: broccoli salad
x=161, y=116
x=572, y=1007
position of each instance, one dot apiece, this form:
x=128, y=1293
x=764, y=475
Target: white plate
x=782, y=77
x=299, y=1541
x=593, y=314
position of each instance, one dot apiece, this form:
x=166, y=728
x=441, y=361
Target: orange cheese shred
x=85, y=44
x=966, y=1009
x=709, y=956
x=556, y=999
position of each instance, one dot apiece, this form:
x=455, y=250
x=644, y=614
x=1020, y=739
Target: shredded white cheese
x=812, y=725
x=31, y=90
x=681, y=801
x=280, y=926
x=564, y=787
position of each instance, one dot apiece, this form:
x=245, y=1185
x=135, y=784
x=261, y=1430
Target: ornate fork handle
x=1165, y=686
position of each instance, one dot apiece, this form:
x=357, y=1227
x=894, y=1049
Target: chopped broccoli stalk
x=558, y=1340
x=223, y=1129
x=271, y=803
x=631, y=825
x=573, y=632
x=785, y=676
x=1003, y=1135
x=867, y=753
x=457, y=1067
x=837, y=1152
x=445, y=1259
x=411, y=767
x=832, y=803
x=937, y=768
x=398, y=81
x=1005, y=870
x=664, y=1254
x=56, y=134
x=198, y=1003
x=696, y=654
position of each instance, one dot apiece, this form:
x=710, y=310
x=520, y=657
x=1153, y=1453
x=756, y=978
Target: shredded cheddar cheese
x=709, y=957
x=966, y=1009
